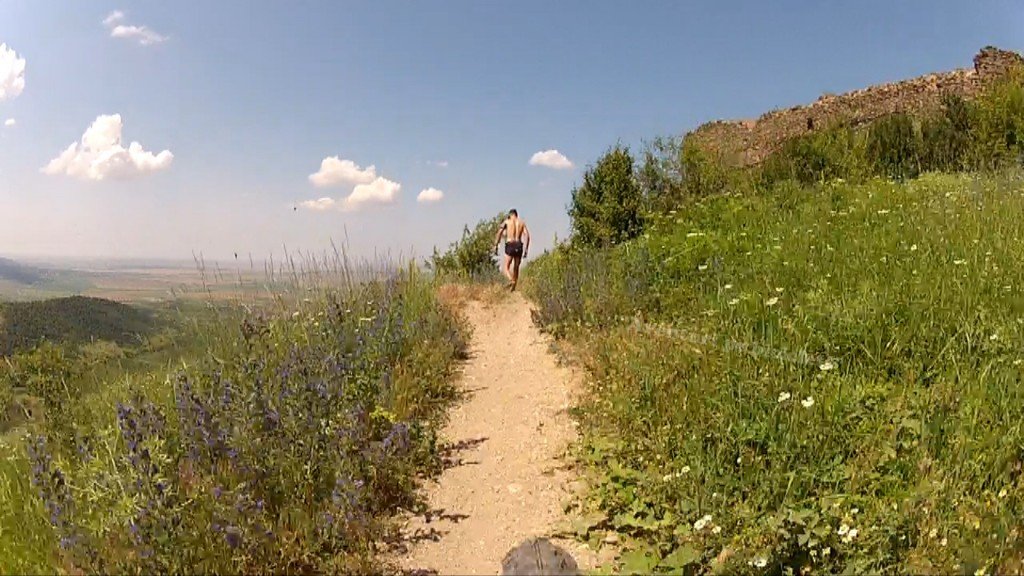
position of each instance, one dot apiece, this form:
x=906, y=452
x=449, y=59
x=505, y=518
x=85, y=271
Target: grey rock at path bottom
x=538, y=557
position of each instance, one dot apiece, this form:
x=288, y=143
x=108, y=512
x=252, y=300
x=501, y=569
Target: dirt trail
x=507, y=480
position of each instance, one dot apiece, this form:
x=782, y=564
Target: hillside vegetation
x=811, y=366
x=276, y=438
x=72, y=320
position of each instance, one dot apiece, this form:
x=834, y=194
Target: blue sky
x=249, y=97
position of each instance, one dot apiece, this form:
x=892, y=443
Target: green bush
x=703, y=173
x=472, y=256
x=48, y=372
x=834, y=152
x=894, y=147
x=946, y=137
x=608, y=208
x=661, y=175
x=999, y=131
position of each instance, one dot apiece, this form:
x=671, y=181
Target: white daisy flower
x=702, y=522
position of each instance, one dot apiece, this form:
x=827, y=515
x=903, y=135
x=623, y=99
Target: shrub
x=946, y=137
x=49, y=373
x=834, y=152
x=472, y=256
x=703, y=173
x=999, y=130
x=608, y=207
x=661, y=175
x=894, y=147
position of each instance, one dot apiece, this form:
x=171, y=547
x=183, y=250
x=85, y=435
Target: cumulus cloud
x=379, y=191
x=550, y=159
x=12, y=73
x=430, y=196
x=9, y=122
x=141, y=34
x=100, y=155
x=334, y=171
x=320, y=204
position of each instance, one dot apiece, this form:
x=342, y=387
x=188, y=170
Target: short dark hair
x=513, y=212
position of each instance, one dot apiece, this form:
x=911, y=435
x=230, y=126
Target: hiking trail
x=507, y=477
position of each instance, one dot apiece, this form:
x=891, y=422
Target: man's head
x=513, y=212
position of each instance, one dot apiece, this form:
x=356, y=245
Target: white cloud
x=380, y=191
x=12, y=73
x=439, y=163
x=142, y=34
x=320, y=204
x=113, y=18
x=551, y=159
x=430, y=196
x=100, y=155
x=334, y=170
x=9, y=122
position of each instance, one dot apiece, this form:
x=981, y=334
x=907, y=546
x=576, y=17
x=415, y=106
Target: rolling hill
x=75, y=319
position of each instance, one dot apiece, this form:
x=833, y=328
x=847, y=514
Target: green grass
x=800, y=365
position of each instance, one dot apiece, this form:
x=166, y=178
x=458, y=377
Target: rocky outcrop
x=748, y=142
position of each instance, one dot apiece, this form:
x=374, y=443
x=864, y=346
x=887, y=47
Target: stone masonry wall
x=748, y=142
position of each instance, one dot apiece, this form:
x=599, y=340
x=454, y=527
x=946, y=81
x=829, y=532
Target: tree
x=660, y=175
x=471, y=256
x=608, y=207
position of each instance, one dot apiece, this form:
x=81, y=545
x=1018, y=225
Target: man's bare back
x=517, y=244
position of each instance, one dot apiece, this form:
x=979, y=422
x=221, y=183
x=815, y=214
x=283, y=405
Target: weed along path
x=506, y=478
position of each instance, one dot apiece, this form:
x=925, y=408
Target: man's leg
x=506, y=267
x=515, y=270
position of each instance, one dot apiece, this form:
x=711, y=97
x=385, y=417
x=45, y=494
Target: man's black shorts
x=514, y=248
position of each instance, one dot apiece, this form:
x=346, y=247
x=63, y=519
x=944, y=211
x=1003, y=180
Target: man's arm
x=526, y=240
x=497, y=238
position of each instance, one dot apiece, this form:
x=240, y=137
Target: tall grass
x=286, y=444
x=821, y=380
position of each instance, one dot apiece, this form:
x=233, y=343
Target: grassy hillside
x=826, y=378
x=71, y=320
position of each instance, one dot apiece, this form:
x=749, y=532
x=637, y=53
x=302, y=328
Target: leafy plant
x=608, y=208
x=472, y=256
x=894, y=147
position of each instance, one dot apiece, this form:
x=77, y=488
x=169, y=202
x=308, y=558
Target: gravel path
x=507, y=479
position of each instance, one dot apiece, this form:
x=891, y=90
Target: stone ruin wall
x=748, y=142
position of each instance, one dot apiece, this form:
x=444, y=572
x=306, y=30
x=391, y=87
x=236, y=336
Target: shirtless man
x=515, y=233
